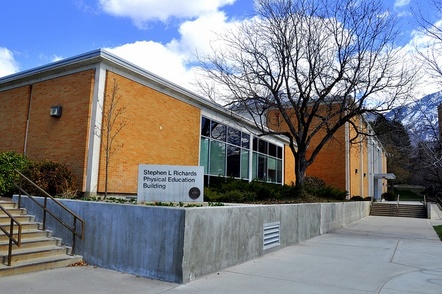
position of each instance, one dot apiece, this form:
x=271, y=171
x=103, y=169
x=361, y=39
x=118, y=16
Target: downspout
x=25, y=144
x=347, y=159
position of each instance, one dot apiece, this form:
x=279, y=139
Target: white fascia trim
x=93, y=158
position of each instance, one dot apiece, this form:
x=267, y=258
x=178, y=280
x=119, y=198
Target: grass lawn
x=438, y=230
x=409, y=194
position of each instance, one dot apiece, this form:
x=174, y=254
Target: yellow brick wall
x=63, y=139
x=289, y=166
x=14, y=105
x=57, y=139
x=329, y=165
x=159, y=130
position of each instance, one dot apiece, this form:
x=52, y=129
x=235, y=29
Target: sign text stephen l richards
x=157, y=179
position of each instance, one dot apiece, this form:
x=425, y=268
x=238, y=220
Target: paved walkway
x=373, y=255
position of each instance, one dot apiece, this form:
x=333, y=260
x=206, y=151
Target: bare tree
x=427, y=170
x=432, y=52
x=306, y=68
x=113, y=124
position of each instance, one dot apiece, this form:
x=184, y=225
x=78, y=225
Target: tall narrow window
x=217, y=158
x=233, y=161
x=204, y=156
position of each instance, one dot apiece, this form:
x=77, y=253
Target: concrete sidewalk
x=373, y=255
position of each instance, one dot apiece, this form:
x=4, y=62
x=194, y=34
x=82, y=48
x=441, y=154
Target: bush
x=53, y=177
x=389, y=196
x=368, y=198
x=9, y=161
x=313, y=184
x=232, y=190
x=357, y=198
x=331, y=193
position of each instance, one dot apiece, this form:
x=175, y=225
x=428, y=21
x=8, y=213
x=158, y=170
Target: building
x=351, y=162
x=55, y=112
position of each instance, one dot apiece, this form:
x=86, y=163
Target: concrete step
x=14, y=211
x=25, y=225
x=28, y=234
x=38, y=250
x=31, y=243
x=403, y=210
x=22, y=254
x=5, y=219
x=8, y=204
x=381, y=209
x=38, y=264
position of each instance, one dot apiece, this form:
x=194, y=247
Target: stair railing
x=10, y=234
x=76, y=232
x=397, y=204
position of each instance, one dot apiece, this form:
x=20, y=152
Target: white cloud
x=172, y=61
x=156, y=58
x=141, y=11
x=8, y=65
x=401, y=3
x=56, y=58
x=422, y=43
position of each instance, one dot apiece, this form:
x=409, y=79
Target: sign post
x=170, y=183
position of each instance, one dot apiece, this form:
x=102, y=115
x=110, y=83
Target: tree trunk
x=300, y=167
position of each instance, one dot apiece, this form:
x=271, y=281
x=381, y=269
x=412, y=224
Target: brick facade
x=345, y=162
x=162, y=120
x=159, y=130
x=63, y=139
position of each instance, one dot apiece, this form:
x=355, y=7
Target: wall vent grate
x=271, y=235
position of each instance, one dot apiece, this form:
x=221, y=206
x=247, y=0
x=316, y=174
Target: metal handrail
x=10, y=234
x=46, y=195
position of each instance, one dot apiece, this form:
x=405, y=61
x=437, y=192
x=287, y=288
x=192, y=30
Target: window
x=267, y=161
x=233, y=161
x=217, y=162
x=224, y=150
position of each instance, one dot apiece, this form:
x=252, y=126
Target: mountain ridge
x=419, y=117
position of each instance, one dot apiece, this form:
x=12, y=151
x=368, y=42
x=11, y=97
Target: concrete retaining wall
x=181, y=244
x=433, y=211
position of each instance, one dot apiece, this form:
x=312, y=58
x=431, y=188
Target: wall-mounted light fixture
x=55, y=111
x=356, y=171
x=365, y=175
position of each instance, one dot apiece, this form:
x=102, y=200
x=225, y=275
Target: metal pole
x=19, y=191
x=73, y=236
x=11, y=231
x=44, y=212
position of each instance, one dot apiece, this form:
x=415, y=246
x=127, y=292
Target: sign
x=170, y=183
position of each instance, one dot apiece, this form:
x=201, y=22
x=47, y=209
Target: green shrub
x=368, y=198
x=53, y=177
x=331, y=193
x=357, y=198
x=389, y=196
x=313, y=184
x=211, y=195
x=9, y=161
x=231, y=190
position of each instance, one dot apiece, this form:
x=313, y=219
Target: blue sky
x=160, y=35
